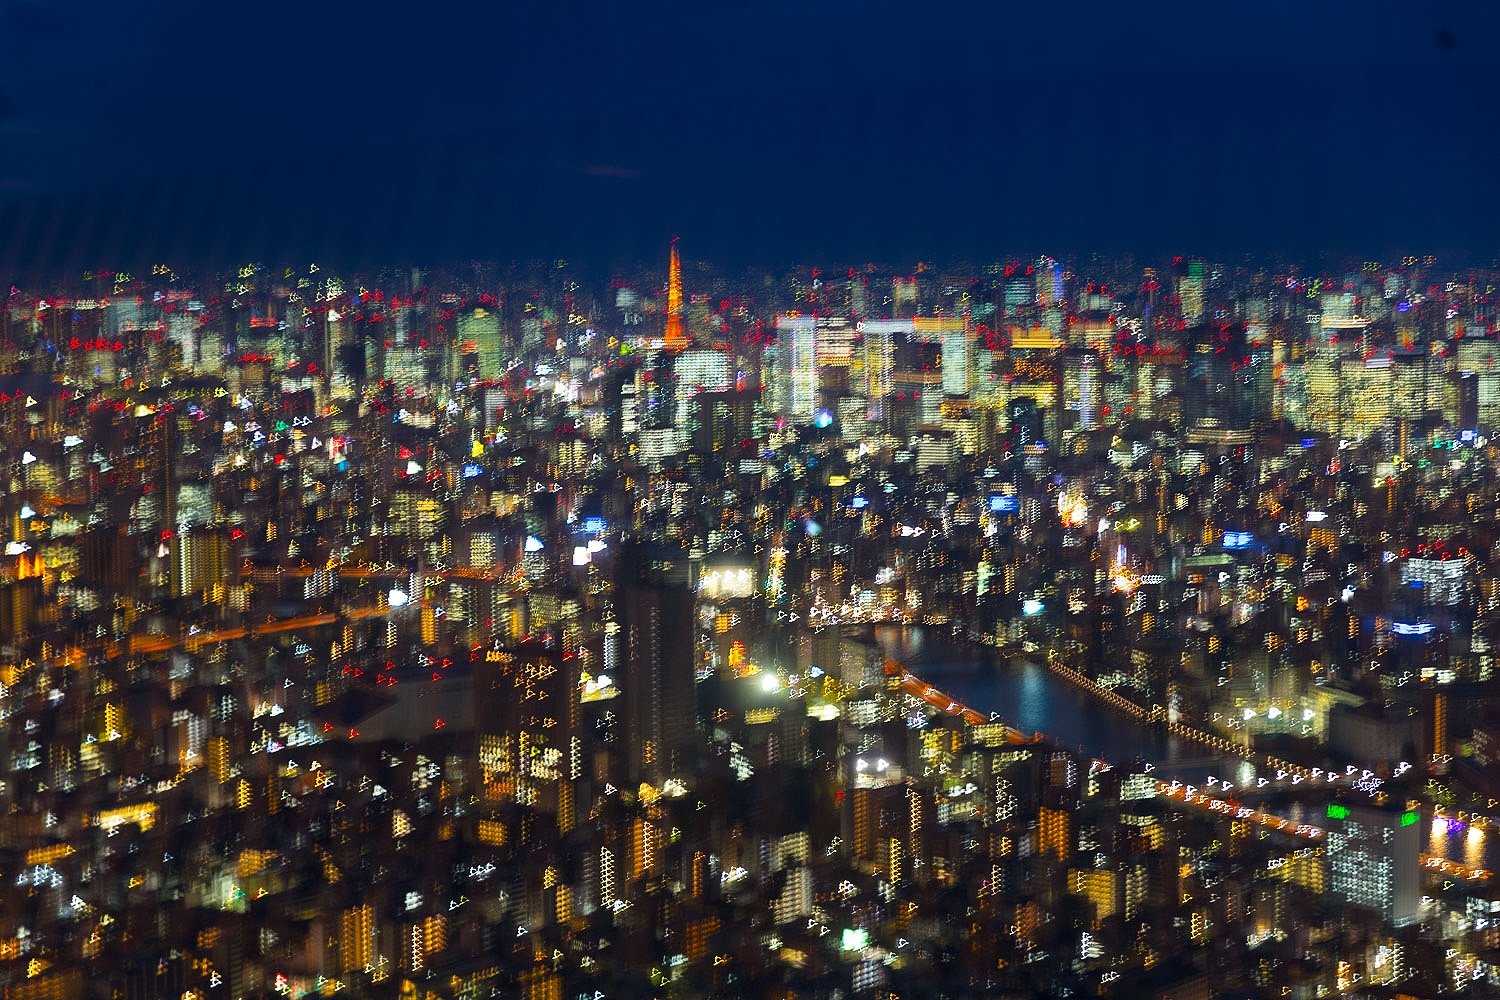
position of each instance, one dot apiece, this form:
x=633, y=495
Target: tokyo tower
x=675, y=338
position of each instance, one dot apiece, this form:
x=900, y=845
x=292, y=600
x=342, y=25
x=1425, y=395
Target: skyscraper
x=957, y=351
x=880, y=337
x=1218, y=398
x=1190, y=290
x=479, y=334
x=656, y=608
x=796, y=365
x=696, y=371
x=1373, y=859
x=1081, y=391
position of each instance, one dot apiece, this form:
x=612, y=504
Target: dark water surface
x=1031, y=698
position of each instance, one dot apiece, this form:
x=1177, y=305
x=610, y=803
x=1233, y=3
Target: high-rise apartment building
x=656, y=616
x=527, y=726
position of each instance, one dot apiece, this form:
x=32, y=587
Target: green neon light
x=1408, y=818
x=1336, y=811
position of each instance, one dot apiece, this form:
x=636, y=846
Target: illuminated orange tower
x=676, y=338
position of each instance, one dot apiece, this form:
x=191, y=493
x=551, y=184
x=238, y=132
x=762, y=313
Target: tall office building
x=1314, y=387
x=182, y=330
x=1373, y=859
x=796, y=365
x=955, y=356
x=836, y=340
x=1410, y=376
x=1479, y=374
x=721, y=421
x=1464, y=411
x=698, y=370
x=404, y=365
x=1218, y=392
x=880, y=338
x=904, y=296
x=341, y=359
x=1081, y=387
x=19, y=602
x=918, y=381
x=479, y=333
x=1191, y=291
x=358, y=938
x=1018, y=296
x=1050, y=288
x=1367, y=386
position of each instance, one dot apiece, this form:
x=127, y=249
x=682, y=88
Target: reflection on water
x=1031, y=698
x=1453, y=838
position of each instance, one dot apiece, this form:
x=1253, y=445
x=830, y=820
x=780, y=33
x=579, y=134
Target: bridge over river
x=979, y=683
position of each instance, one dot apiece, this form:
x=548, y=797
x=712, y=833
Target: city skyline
x=1036, y=629
x=749, y=498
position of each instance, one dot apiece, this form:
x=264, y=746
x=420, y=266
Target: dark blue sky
x=759, y=131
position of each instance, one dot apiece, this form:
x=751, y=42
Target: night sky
x=761, y=132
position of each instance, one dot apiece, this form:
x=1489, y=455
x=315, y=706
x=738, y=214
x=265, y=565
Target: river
x=1031, y=698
